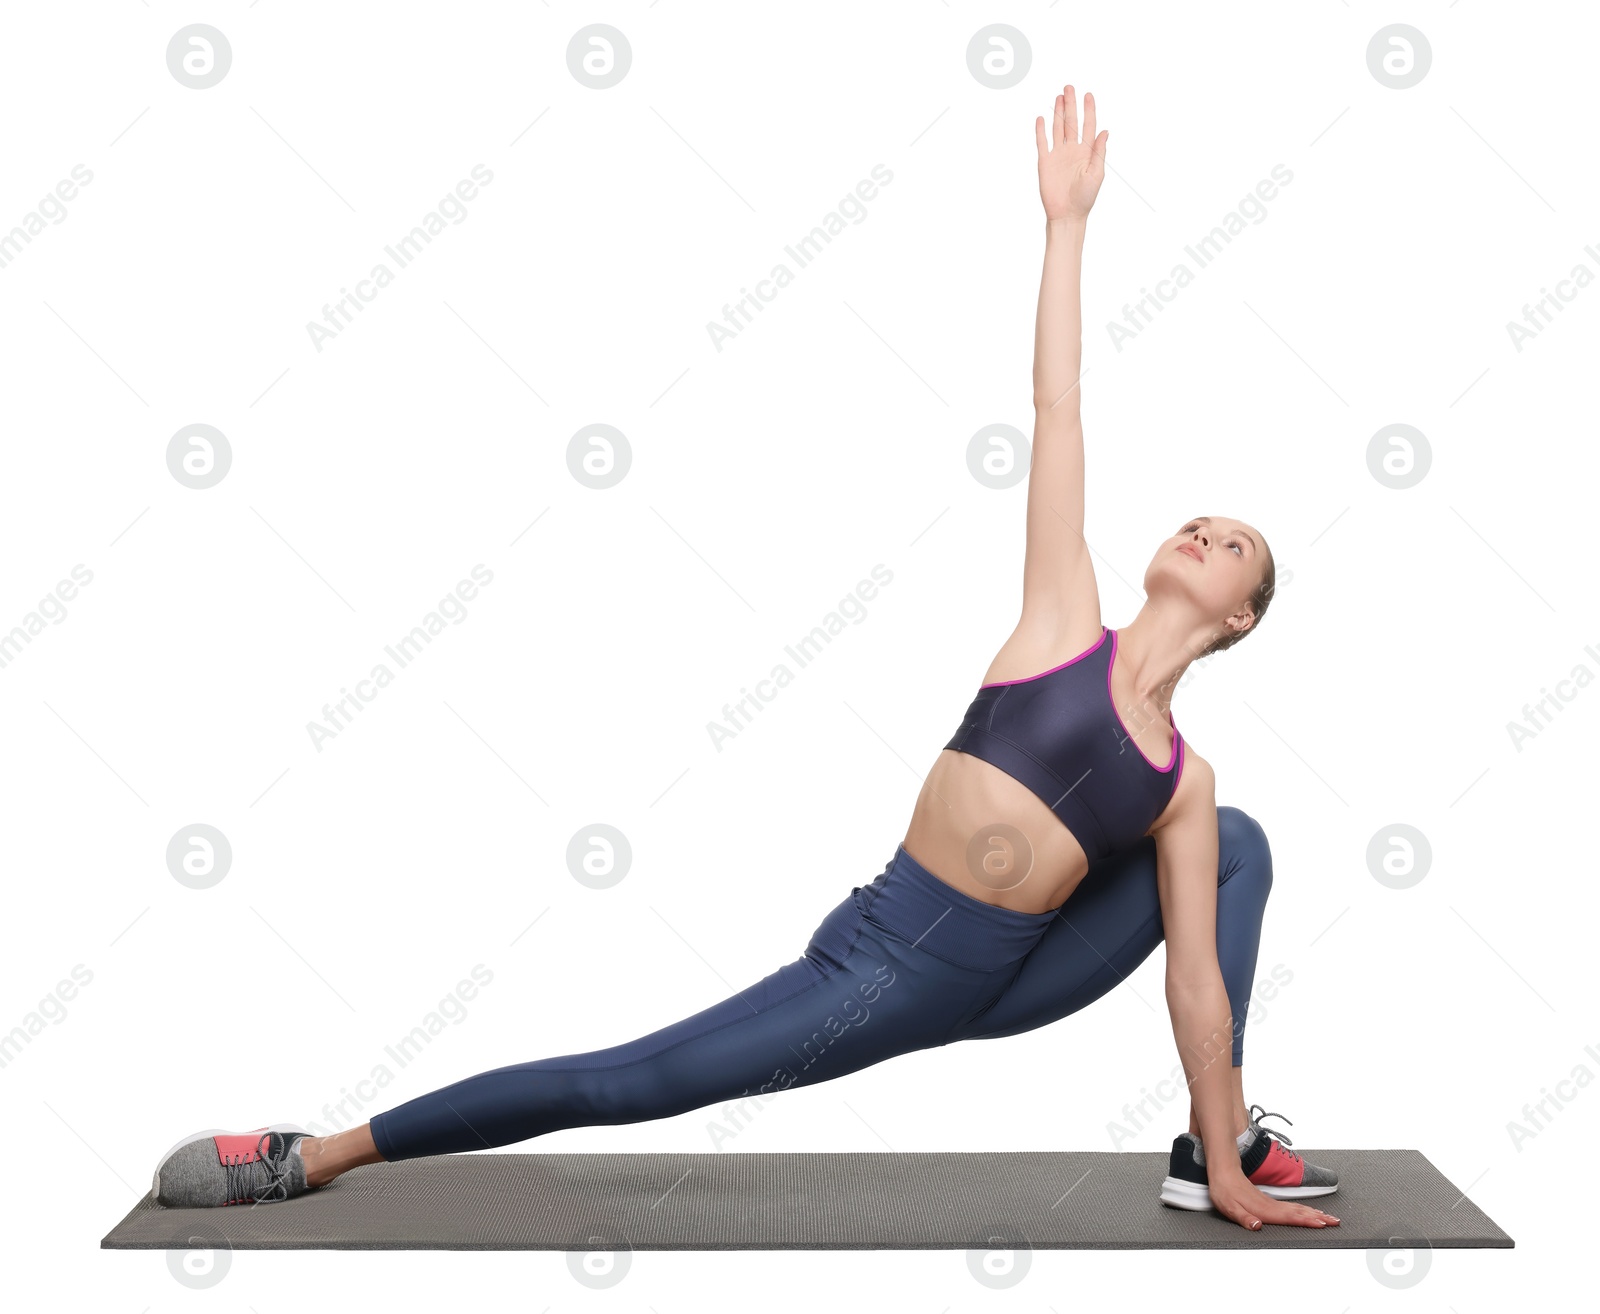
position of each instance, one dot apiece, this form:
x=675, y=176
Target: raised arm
x=1058, y=584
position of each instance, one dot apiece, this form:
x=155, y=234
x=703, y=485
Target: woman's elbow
x=1193, y=981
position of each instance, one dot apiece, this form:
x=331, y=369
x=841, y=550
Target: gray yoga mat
x=1045, y=1200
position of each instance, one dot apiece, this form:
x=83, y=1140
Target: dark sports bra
x=1060, y=734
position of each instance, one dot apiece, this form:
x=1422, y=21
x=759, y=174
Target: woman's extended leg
x=898, y=965
x=844, y=1004
x=855, y=997
x=1111, y=924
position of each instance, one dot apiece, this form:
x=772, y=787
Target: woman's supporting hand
x=1070, y=174
x=1235, y=1198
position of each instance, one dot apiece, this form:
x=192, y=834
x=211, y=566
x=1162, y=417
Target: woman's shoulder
x=1195, y=769
x=1193, y=801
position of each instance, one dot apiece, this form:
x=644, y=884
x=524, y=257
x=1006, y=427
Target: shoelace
x=244, y=1183
x=1255, y=1121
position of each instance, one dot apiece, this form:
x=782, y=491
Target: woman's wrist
x=1221, y=1171
x=1222, y=1154
x=1066, y=223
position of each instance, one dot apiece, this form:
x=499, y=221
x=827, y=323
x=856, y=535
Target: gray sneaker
x=214, y=1168
x=1269, y=1166
x=1278, y=1171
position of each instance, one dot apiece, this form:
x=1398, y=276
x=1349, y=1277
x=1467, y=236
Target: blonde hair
x=1260, y=598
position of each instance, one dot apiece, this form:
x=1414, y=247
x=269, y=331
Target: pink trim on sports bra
x=1176, y=738
x=994, y=684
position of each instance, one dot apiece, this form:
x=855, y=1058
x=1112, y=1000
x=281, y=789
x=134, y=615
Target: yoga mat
x=1044, y=1200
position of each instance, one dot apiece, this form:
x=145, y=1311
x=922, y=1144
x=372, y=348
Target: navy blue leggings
x=904, y=963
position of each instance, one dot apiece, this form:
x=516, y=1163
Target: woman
x=1046, y=857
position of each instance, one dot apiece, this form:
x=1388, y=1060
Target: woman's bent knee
x=1242, y=846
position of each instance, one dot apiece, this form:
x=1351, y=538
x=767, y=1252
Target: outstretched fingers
x=1295, y=1215
x=1088, y=116
x=1068, y=120
x=1098, y=154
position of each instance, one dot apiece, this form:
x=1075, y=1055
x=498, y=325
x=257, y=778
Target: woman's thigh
x=1108, y=926
x=1112, y=922
x=858, y=995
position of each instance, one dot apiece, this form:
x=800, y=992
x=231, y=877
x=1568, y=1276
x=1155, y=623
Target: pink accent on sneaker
x=1281, y=1167
x=240, y=1147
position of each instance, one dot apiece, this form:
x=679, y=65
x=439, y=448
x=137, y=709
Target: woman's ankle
x=1241, y=1120
x=326, y=1157
x=313, y=1153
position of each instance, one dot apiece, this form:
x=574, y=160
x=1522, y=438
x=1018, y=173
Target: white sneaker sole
x=1188, y=1195
x=155, y=1177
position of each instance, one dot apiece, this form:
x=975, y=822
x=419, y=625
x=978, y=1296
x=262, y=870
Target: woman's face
x=1214, y=561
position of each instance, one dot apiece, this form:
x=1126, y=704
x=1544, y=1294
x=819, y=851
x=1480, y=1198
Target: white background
x=768, y=478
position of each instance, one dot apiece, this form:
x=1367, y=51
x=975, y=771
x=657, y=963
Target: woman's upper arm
x=1058, y=583
x=1186, y=877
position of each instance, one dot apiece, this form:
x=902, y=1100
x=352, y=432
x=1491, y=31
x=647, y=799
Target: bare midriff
x=991, y=837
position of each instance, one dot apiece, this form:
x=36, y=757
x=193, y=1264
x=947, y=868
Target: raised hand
x=1236, y=1198
x=1070, y=174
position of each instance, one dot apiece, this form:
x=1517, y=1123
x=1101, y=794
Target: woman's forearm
x=1058, y=327
x=1202, y=1024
